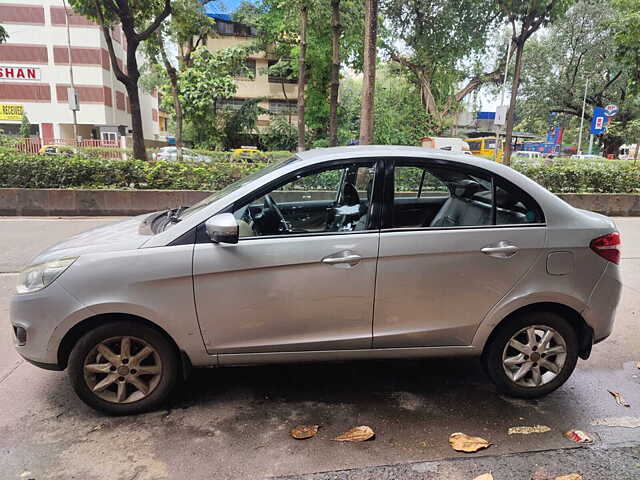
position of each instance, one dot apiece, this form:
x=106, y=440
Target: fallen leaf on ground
x=464, y=443
x=638, y=365
x=528, y=430
x=484, y=476
x=619, y=399
x=356, y=434
x=304, y=431
x=571, y=476
x=97, y=427
x=540, y=474
x=579, y=436
x=628, y=422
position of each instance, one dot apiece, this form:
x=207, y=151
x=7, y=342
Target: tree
x=445, y=46
x=209, y=79
x=529, y=16
x=369, y=71
x=557, y=65
x=626, y=28
x=140, y=19
x=25, y=127
x=3, y=35
x=188, y=28
x=302, y=72
x=336, y=29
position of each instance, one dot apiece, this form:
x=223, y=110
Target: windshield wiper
x=173, y=216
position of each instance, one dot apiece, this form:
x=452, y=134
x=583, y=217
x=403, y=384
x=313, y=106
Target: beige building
x=279, y=94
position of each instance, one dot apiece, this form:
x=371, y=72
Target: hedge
x=38, y=171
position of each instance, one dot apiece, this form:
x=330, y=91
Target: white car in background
x=170, y=154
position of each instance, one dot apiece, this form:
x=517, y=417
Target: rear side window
x=441, y=197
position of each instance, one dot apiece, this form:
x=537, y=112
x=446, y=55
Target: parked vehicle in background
x=170, y=154
x=450, y=144
x=629, y=152
x=335, y=254
x=57, y=150
x=521, y=155
x=246, y=149
x=485, y=147
x=586, y=157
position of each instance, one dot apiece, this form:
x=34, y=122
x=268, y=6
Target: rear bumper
x=601, y=312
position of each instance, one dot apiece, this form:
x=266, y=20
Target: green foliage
x=241, y=122
x=38, y=171
x=593, y=177
x=626, y=26
x=210, y=77
x=141, y=11
x=558, y=64
x=396, y=100
x=4, y=36
x=280, y=135
x=25, y=127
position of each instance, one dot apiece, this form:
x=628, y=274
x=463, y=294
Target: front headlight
x=37, y=277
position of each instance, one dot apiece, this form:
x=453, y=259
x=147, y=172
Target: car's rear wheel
x=532, y=355
x=123, y=368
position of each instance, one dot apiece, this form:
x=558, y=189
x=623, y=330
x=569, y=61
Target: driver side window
x=333, y=199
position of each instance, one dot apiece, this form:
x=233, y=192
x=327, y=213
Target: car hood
x=123, y=235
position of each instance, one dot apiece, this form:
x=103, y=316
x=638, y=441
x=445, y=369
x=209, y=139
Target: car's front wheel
x=532, y=354
x=123, y=368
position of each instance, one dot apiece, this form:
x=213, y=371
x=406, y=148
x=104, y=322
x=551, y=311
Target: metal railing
x=34, y=145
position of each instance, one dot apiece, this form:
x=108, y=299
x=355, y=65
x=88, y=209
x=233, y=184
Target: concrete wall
x=46, y=202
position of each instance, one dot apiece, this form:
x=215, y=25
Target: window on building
x=286, y=77
x=282, y=106
x=234, y=29
x=229, y=103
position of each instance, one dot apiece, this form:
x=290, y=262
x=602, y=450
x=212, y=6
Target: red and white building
x=34, y=75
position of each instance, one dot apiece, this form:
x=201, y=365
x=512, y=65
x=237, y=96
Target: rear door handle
x=500, y=250
x=346, y=258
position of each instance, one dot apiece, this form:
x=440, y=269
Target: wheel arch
x=575, y=319
x=72, y=336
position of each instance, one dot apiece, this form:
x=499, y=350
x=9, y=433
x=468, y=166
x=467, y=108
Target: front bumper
x=42, y=315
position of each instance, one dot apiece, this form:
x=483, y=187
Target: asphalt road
x=233, y=423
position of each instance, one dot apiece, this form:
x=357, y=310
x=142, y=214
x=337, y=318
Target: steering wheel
x=271, y=204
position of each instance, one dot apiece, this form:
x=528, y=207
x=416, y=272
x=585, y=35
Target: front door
x=440, y=270
x=302, y=275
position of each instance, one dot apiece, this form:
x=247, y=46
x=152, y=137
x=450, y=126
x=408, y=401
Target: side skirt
x=341, y=355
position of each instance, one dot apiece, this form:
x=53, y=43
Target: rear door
x=437, y=279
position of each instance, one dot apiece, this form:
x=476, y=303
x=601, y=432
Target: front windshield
x=235, y=186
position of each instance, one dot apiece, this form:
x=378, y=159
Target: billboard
x=598, y=121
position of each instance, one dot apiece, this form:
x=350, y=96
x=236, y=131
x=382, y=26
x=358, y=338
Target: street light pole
x=73, y=87
x=584, y=104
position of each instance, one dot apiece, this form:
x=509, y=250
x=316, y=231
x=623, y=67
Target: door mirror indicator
x=222, y=228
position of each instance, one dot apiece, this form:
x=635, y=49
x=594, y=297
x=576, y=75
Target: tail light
x=607, y=246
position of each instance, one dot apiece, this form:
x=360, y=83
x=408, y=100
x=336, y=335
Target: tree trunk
x=173, y=78
x=335, y=73
x=369, y=71
x=512, y=104
x=302, y=74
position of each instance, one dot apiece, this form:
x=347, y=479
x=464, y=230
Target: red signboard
x=19, y=73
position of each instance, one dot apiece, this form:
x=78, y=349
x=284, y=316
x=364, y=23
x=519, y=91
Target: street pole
x=590, y=143
x=584, y=104
x=504, y=86
x=73, y=87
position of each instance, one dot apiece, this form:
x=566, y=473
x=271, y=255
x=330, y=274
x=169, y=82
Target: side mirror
x=223, y=228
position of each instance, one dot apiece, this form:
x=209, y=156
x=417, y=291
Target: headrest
x=350, y=195
x=466, y=188
x=505, y=199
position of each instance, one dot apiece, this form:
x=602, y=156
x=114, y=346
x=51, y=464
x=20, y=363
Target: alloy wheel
x=122, y=369
x=534, y=356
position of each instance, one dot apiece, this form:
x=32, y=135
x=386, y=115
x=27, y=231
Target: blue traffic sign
x=598, y=121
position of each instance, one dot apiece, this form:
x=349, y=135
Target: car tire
x=123, y=377
x=519, y=372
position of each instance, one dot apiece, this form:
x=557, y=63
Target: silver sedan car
x=335, y=254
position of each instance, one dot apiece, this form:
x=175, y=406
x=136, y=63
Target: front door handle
x=347, y=258
x=500, y=250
